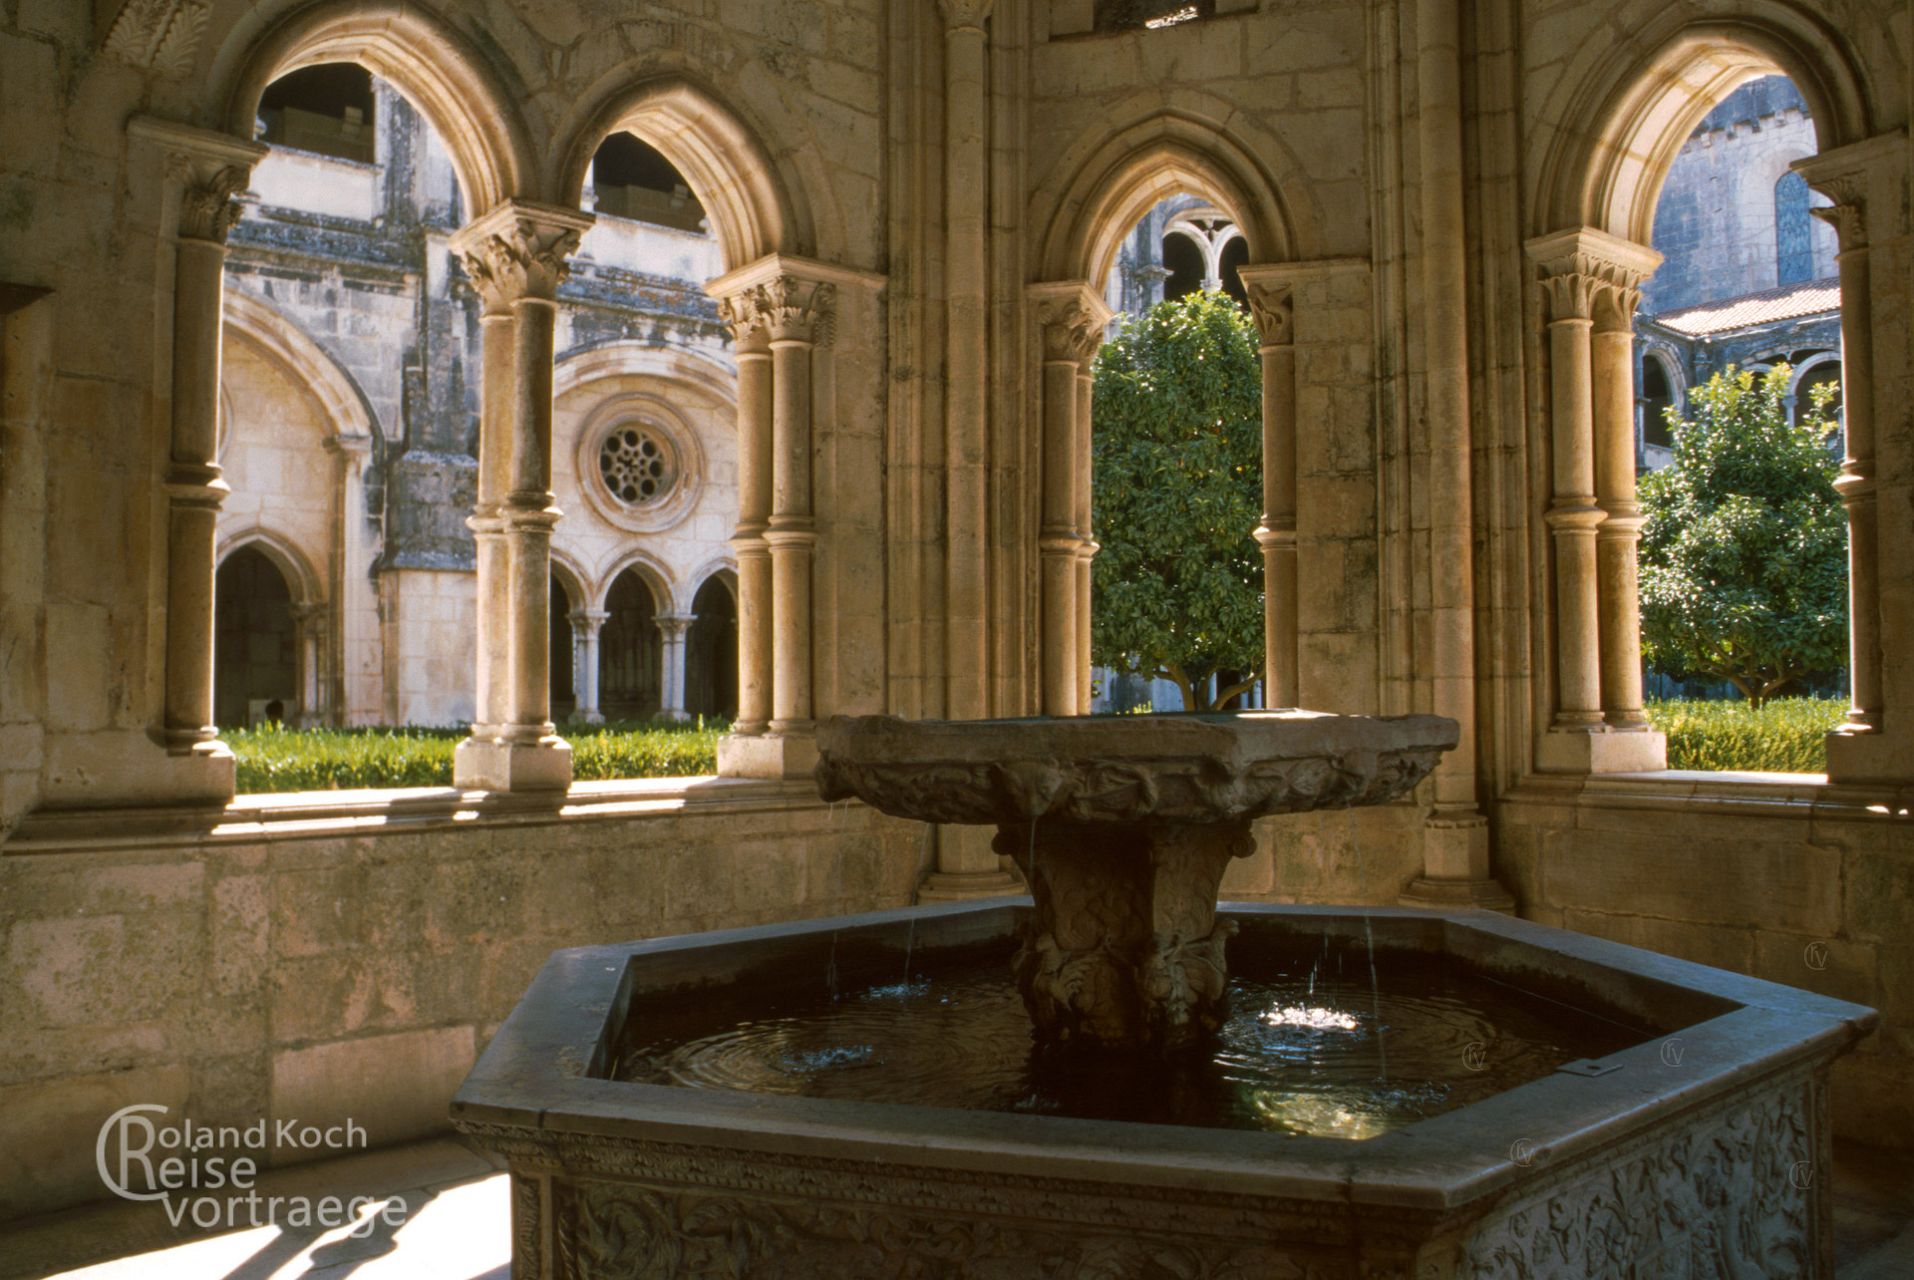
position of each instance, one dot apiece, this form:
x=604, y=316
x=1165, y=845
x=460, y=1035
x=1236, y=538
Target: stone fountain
x=1122, y=827
x=1691, y=1138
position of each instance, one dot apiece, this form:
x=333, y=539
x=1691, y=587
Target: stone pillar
x=1271, y=302
x=672, y=627
x=515, y=256
x=966, y=368
x=309, y=627
x=1087, y=545
x=1591, y=282
x=1867, y=181
x=1070, y=318
x=210, y=170
x=782, y=313
x=1455, y=841
x=586, y=624
x=350, y=575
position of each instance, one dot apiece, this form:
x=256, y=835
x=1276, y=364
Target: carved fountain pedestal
x=1123, y=827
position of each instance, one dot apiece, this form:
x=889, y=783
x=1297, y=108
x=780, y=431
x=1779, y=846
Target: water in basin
x=1312, y=1045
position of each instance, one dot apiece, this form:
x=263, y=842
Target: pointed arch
x=422, y=55
x=754, y=206
x=571, y=580
x=310, y=367
x=1644, y=97
x=722, y=569
x=1131, y=170
x=294, y=567
x=654, y=573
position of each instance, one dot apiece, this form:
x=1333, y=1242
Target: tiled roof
x=1789, y=302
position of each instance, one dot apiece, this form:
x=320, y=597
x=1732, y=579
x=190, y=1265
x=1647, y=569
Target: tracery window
x=637, y=464
x=1793, y=231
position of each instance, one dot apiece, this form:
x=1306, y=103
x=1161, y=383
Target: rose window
x=636, y=465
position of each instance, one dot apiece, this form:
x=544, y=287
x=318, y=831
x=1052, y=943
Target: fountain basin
x=1702, y=1148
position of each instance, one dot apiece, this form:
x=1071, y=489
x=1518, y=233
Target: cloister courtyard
x=523, y=364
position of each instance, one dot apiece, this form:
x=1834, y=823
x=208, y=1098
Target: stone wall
x=340, y=966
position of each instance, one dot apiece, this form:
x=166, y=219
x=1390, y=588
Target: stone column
x=1455, y=834
x=1590, y=281
x=782, y=312
x=350, y=574
x=515, y=256
x=309, y=627
x=1867, y=181
x=210, y=171
x=586, y=624
x=1070, y=319
x=966, y=370
x=1271, y=302
x=1087, y=545
x=672, y=627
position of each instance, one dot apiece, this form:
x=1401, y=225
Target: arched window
x=1658, y=396
x=630, y=651
x=325, y=109
x=1184, y=261
x=1128, y=15
x=255, y=644
x=711, y=653
x=1793, y=230
x=564, y=697
x=632, y=179
x=1234, y=255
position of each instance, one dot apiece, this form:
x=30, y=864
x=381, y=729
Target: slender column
x=1070, y=319
x=754, y=517
x=586, y=624
x=348, y=577
x=1618, y=540
x=1087, y=545
x=309, y=627
x=1572, y=514
x=966, y=373
x=792, y=534
x=1857, y=482
x=1271, y=302
x=672, y=627
x=211, y=170
x=515, y=256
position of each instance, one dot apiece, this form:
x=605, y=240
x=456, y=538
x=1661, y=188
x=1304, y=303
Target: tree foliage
x=1176, y=496
x=1744, y=552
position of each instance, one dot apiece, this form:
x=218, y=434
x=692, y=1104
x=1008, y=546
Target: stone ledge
x=1799, y=795
x=310, y=814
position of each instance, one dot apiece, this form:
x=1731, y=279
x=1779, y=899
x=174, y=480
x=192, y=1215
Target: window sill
x=317, y=814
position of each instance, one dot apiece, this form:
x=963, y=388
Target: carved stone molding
x=519, y=250
x=1584, y=268
x=785, y=308
x=211, y=168
x=1844, y=176
x=1071, y=319
x=161, y=35
x=1273, y=305
x=965, y=15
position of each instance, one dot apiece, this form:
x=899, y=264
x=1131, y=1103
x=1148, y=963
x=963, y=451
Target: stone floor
x=457, y=1226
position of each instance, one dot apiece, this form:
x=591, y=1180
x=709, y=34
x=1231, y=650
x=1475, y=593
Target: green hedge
x=1785, y=736
x=280, y=759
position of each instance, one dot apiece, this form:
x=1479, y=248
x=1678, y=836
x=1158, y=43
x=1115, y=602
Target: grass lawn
x=1786, y=736
x=280, y=759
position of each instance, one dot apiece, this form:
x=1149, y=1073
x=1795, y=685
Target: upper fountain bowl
x=1173, y=767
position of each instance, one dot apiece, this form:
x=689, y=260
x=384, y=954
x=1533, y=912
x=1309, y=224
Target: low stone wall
x=348, y=960
x=1807, y=885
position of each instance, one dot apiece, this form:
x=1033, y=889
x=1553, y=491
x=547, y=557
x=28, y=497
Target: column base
x=1872, y=758
x=1488, y=895
x=484, y=764
x=204, y=772
x=1602, y=751
x=767, y=755
x=962, y=886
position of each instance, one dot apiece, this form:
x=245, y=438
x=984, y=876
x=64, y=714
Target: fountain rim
x=536, y=1081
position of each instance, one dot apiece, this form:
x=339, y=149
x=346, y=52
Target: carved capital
x=1583, y=267
x=519, y=250
x=1071, y=319
x=211, y=168
x=1847, y=215
x=1845, y=175
x=965, y=15
x=785, y=308
x=1273, y=304
x=160, y=35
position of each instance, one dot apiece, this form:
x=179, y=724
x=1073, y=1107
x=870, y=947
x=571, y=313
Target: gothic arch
x=402, y=41
x=291, y=562
x=1123, y=175
x=572, y=580
x=723, y=568
x=341, y=401
x=651, y=571
x=753, y=202
x=1641, y=98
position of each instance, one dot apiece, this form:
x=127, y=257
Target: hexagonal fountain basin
x=1693, y=1142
